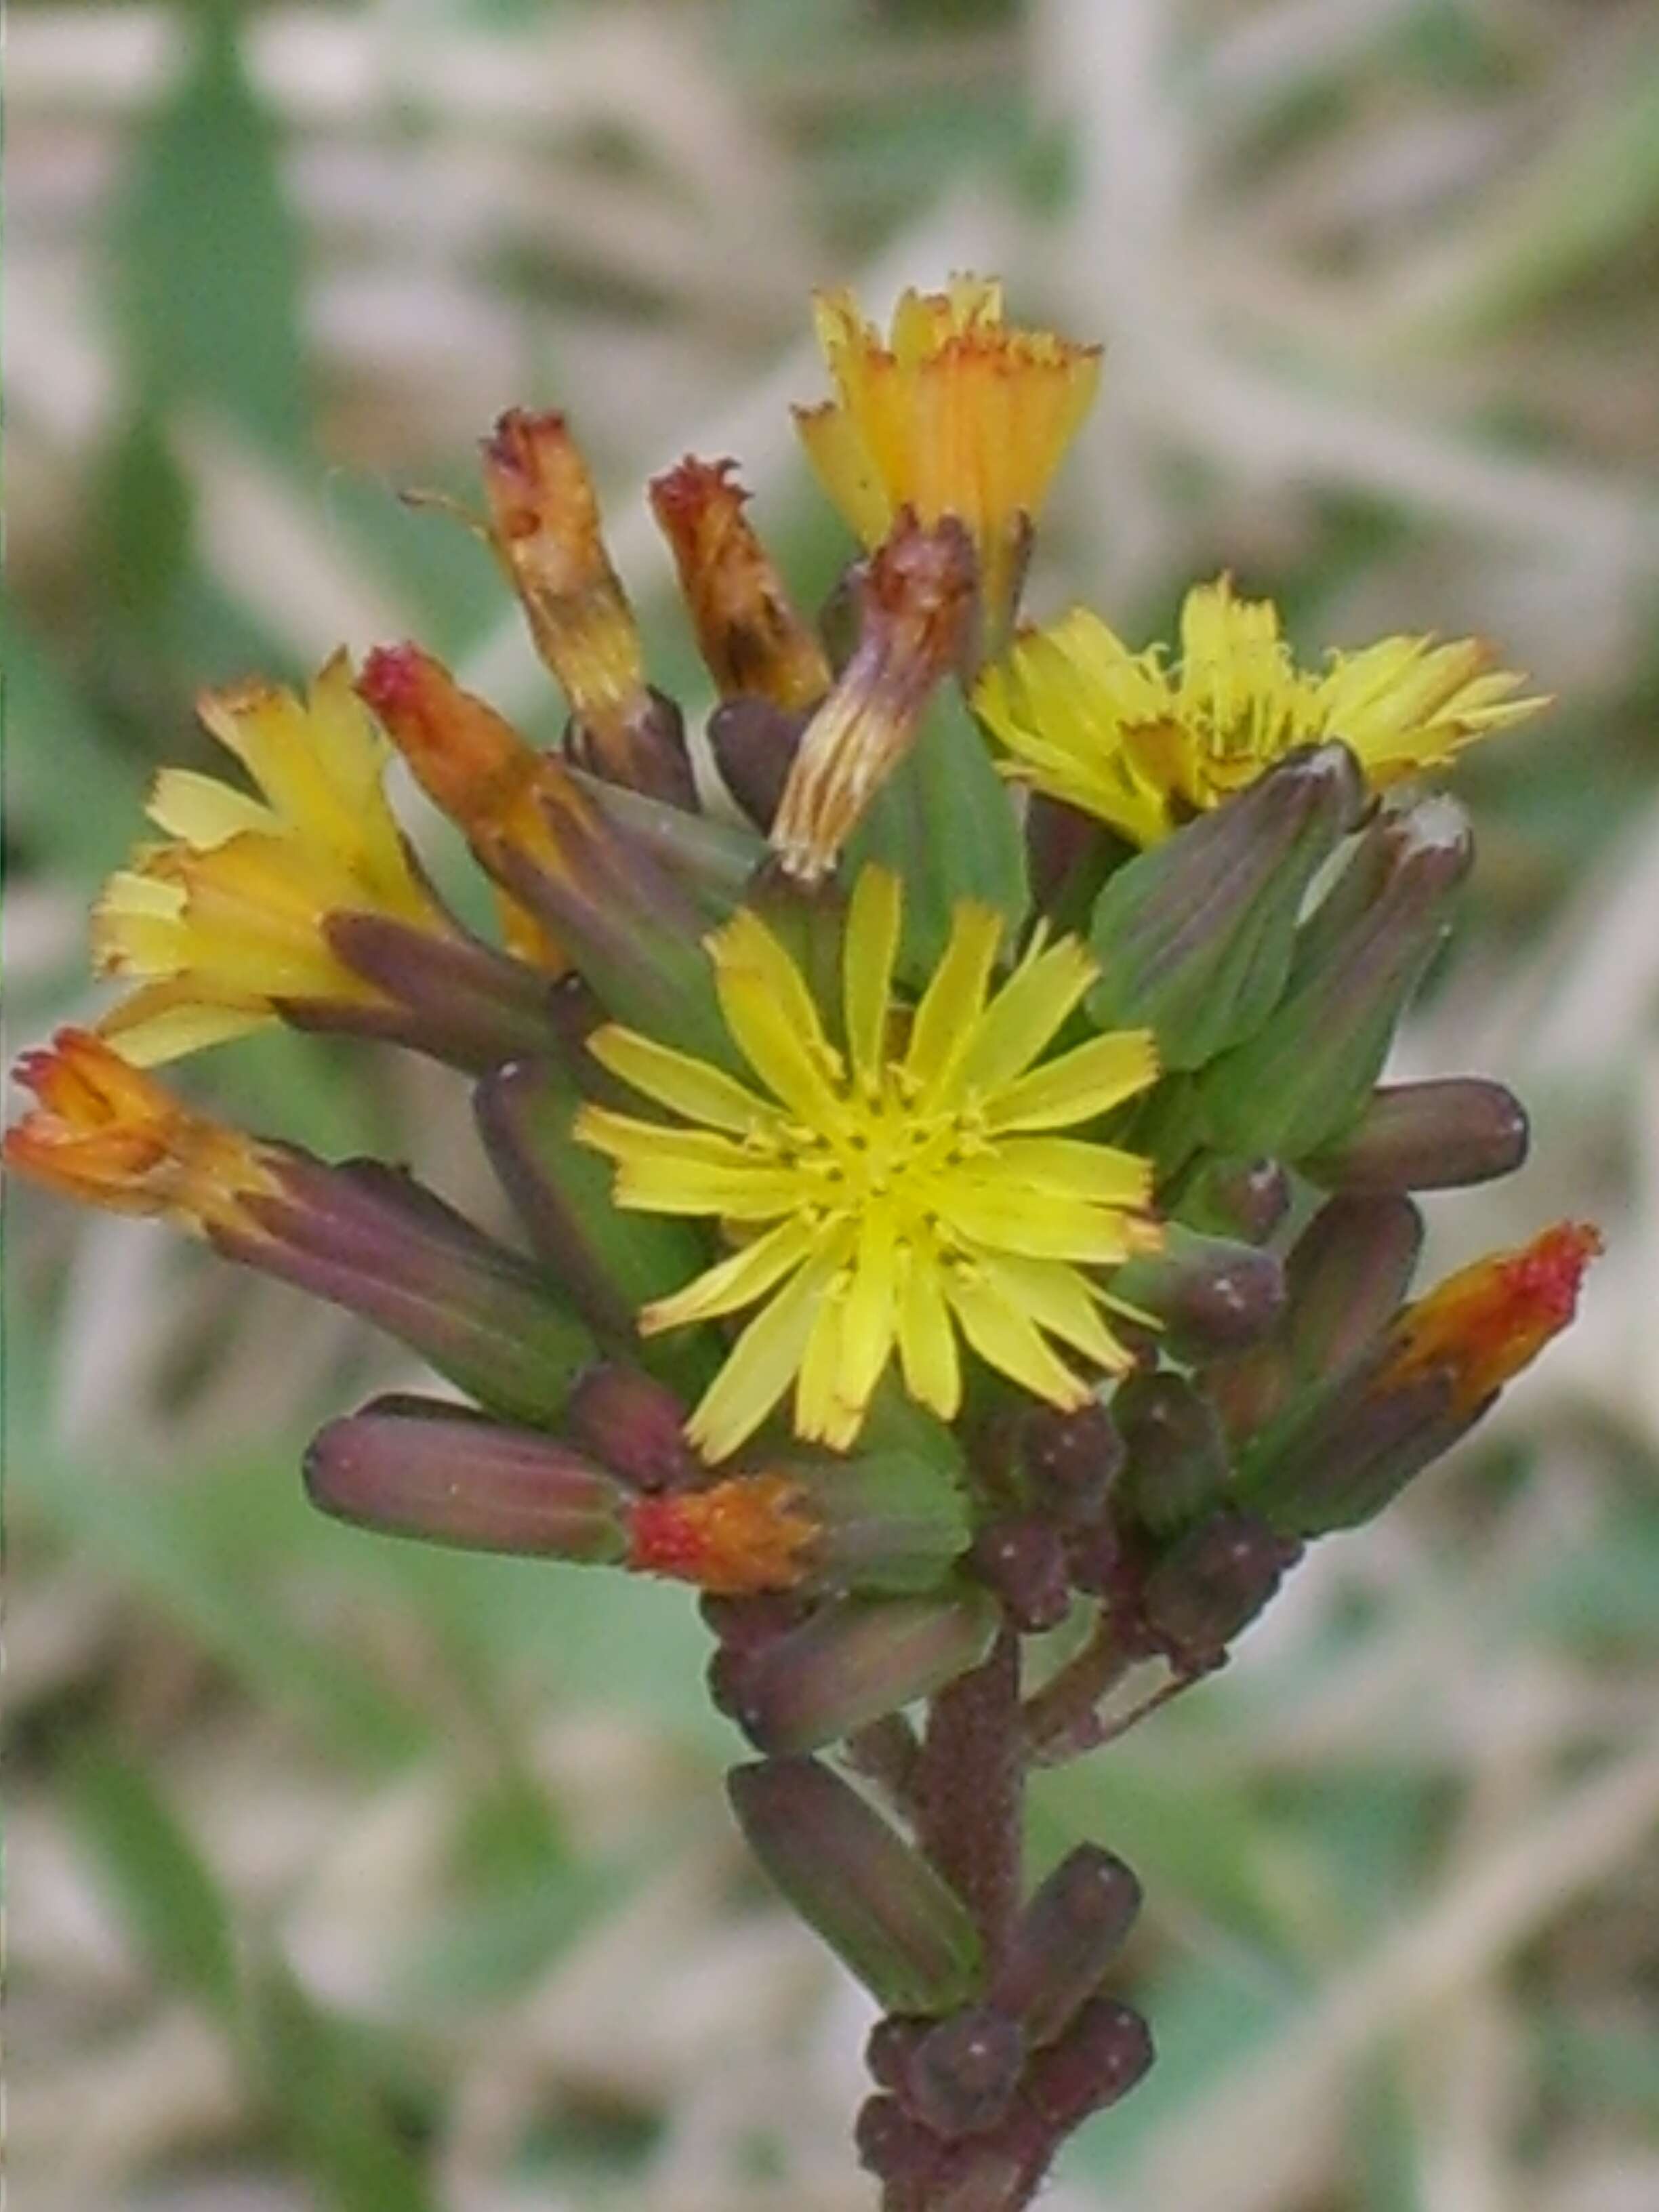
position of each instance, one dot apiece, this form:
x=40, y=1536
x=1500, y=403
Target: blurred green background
x=344, y=1876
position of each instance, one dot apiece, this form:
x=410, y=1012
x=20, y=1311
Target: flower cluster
x=964, y=1231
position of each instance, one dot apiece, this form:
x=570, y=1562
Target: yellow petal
x=1101, y=1175
x=1004, y=1337
x=1082, y=1083
x=761, y=1365
x=770, y=1014
x=692, y=1087
x=736, y=1282
x=1003, y=1218
x=927, y=1341
x=870, y=946
x=203, y=811
x=952, y=1004
x=1059, y=1300
x=1025, y=1013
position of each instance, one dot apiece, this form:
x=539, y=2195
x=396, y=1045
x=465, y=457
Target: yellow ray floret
x=896, y=1190
x=225, y=919
x=959, y=413
x=1144, y=743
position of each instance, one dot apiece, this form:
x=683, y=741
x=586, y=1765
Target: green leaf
x=143, y=513
x=945, y=822
x=330, y=2107
x=70, y=789
x=205, y=281
x=162, y=1887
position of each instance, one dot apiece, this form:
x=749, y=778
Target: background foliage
x=348, y=1876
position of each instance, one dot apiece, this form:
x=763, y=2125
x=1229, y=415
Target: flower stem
x=969, y=1787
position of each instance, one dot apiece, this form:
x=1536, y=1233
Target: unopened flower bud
x=1246, y=1199
x=1214, y=1296
x=409, y=1468
x=852, y=1662
x=634, y=1425
x=917, y=598
x=1300, y=1082
x=963, y=2074
x=607, y=1263
x=1023, y=1558
x=907, y=2158
x=1212, y=1583
x=454, y=997
x=1194, y=936
x=1178, y=1461
x=891, y=2045
x=872, y=1896
x=1345, y=1276
x=754, y=744
x=1065, y=1940
x=1063, y=1465
x=1100, y=2057
x=752, y=640
x=1428, y=1136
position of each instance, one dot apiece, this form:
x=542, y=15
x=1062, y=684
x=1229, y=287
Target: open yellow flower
x=958, y=414
x=888, y=1195
x=1146, y=746
x=226, y=919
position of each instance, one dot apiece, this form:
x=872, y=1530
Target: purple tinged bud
x=634, y=1427
x=754, y=744
x=654, y=746
x=457, y=1000
x=1178, y=1458
x=743, y=1624
x=850, y=1662
x=1062, y=1464
x=1246, y=1199
x=872, y=1896
x=890, y=1521
x=1023, y=1558
x=1428, y=1136
x=902, y=2153
x=608, y=1263
x=1345, y=1277
x=1212, y=1583
x=1194, y=937
x=1214, y=1296
x=1336, y=1462
x=891, y=2047
x=1065, y=1940
x=1105, y=2052
x=1064, y=852
x=962, y=2075
x=1302, y=1080
x=420, y=1469
x=372, y=1239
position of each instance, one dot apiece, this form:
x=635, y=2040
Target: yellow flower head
x=107, y=1134
x=226, y=919
x=896, y=1189
x=1145, y=744
x=958, y=414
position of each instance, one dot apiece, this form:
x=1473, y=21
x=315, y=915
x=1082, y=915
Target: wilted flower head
x=959, y=413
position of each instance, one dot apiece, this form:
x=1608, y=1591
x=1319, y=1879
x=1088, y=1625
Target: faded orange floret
x=1487, y=1322
x=914, y=601
x=753, y=639
x=473, y=766
x=958, y=413
x=544, y=523
x=741, y=1537
x=107, y=1134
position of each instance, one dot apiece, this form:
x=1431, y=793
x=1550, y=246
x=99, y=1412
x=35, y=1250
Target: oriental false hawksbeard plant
x=961, y=1229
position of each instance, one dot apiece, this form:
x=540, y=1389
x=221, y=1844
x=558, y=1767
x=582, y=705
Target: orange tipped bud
x=1487, y=1322
x=735, y=1540
x=753, y=639
x=915, y=601
x=545, y=522
x=108, y=1136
